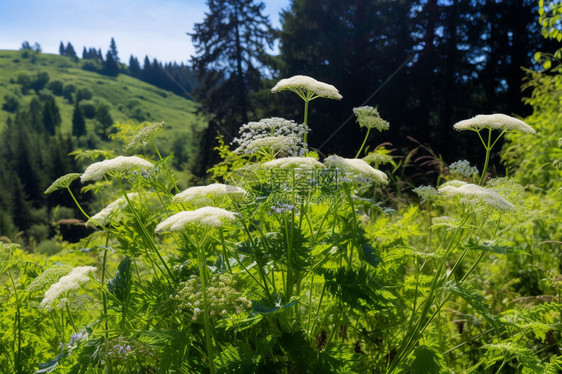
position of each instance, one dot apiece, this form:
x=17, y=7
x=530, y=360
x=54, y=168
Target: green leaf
x=474, y=299
x=263, y=309
x=427, y=361
x=492, y=247
x=537, y=56
x=49, y=366
x=370, y=254
x=120, y=285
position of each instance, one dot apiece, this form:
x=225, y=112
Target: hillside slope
x=130, y=99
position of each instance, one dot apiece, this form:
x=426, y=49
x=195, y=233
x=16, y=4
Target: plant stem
x=17, y=355
x=488, y=147
x=305, y=117
x=364, y=141
x=203, y=276
x=77, y=204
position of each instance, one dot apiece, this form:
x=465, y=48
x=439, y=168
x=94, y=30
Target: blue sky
x=156, y=28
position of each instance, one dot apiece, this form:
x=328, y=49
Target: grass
x=125, y=94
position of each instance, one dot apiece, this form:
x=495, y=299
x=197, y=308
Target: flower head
x=307, y=88
x=212, y=192
x=71, y=281
x=144, y=135
x=98, y=170
x=370, y=118
x=275, y=134
x=426, y=193
x=103, y=216
x=207, y=216
x=474, y=194
x=463, y=168
x=62, y=182
x=294, y=162
x=48, y=277
x=377, y=158
x=494, y=121
x=356, y=167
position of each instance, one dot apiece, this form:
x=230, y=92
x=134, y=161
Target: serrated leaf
x=370, y=255
x=492, y=247
x=49, y=366
x=263, y=309
x=427, y=361
x=474, y=299
x=120, y=284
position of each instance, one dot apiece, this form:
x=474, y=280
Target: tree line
x=424, y=63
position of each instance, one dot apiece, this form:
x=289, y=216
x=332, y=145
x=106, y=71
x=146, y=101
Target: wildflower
x=294, y=162
x=203, y=194
x=102, y=217
x=494, y=121
x=463, y=168
x=98, y=170
x=71, y=281
x=48, y=277
x=207, y=216
x=307, y=88
x=62, y=182
x=144, y=135
x=377, y=158
x=370, y=118
x=426, y=193
x=356, y=167
x=473, y=193
x=275, y=134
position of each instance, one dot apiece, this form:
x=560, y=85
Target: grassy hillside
x=129, y=98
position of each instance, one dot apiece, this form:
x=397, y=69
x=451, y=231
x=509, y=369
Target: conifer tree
x=51, y=115
x=78, y=121
x=70, y=52
x=110, y=66
x=113, y=50
x=230, y=48
x=62, y=49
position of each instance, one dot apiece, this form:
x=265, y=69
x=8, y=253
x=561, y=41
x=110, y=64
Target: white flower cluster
x=369, y=117
x=474, y=195
x=463, y=168
x=294, y=162
x=307, y=88
x=71, y=281
x=48, y=277
x=103, y=216
x=377, y=158
x=223, y=296
x=275, y=134
x=98, y=170
x=426, y=193
x=62, y=182
x=144, y=135
x=356, y=167
x=208, y=194
x=494, y=121
x=207, y=216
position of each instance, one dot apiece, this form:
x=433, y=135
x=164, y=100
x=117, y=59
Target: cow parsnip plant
x=289, y=263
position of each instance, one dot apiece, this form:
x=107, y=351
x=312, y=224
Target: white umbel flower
x=307, y=88
x=211, y=192
x=71, y=281
x=294, y=162
x=494, y=121
x=462, y=167
x=98, y=170
x=274, y=134
x=369, y=117
x=474, y=194
x=356, y=166
x=207, y=216
x=103, y=216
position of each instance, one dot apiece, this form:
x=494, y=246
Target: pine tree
x=78, y=121
x=110, y=67
x=104, y=120
x=62, y=49
x=70, y=52
x=134, y=66
x=84, y=53
x=35, y=115
x=113, y=50
x=230, y=48
x=51, y=115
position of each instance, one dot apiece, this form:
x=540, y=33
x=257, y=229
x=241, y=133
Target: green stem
x=70, y=317
x=77, y=204
x=224, y=252
x=17, y=355
x=168, y=170
x=104, y=299
x=208, y=337
x=364, y=142
x=488, y=147
x=305, y=117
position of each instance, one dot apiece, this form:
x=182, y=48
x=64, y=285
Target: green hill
x=130, y=99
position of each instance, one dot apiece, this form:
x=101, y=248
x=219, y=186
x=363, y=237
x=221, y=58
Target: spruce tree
x=78, y=121
x=230, y=47
x=70, y=52
x=110, y=66
x=113, y=50
x=51, y=115
x=62, y=49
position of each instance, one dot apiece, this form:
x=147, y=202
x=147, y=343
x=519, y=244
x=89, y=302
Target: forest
x=374, y=186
